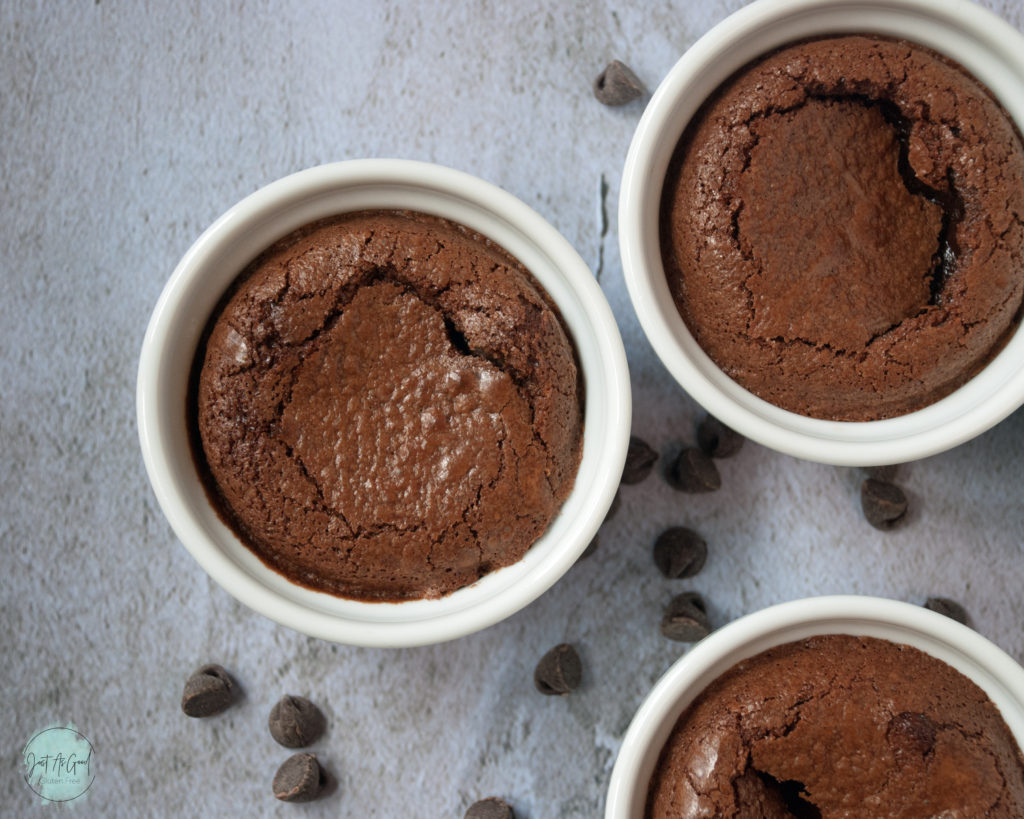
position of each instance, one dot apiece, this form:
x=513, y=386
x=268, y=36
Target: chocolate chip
x=299, y=779
x=716, y=440
x=617, y=84
x=884, y=503
x=559, y=671
x=882, y=473
x=490, y=808
x=911, y=731
x=295, y=722
x=640, y=460
x=693, y=471
x=680, y=552
x=686, y=618
x=950, y=608
x=208, y=691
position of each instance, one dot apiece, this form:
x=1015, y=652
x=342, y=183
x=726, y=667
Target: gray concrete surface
x=127, y=128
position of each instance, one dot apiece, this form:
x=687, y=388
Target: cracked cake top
x=839, y=726
x=842, y=227
x=387, y=407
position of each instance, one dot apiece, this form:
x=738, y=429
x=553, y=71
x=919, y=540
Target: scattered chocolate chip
x=882, y=473
x=884, y=503
x=299, y=779
x=640, y=460
x=950, y=608
x=591, y=548
x=693, y=471
x=208, y=691
x=617, y=84
x=910, y=731
x=686, y=618
x=295, y=722
x=716, y=440
x=490, y=808
x=559, y=671
x=680, y=552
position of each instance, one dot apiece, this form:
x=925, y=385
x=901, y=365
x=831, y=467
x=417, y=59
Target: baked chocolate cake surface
x=840, y=726
x=388, y=407
x=842, y=228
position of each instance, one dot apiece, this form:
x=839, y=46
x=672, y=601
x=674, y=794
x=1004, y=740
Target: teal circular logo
x=59, y=763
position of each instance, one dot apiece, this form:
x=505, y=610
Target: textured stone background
x=127, y=128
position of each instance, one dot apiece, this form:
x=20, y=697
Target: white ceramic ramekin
x=988, y=47
x=964, y=649
x=223, y=251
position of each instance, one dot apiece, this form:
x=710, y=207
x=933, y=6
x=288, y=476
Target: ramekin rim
x=771, y=624
x=860, y=443
x=499, y=205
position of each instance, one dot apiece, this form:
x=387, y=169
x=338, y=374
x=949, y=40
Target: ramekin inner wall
x=222, y=253
x=986, y=46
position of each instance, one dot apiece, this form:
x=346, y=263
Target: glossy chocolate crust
x=388, y=407
x=839, y=726
x=842, y=227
